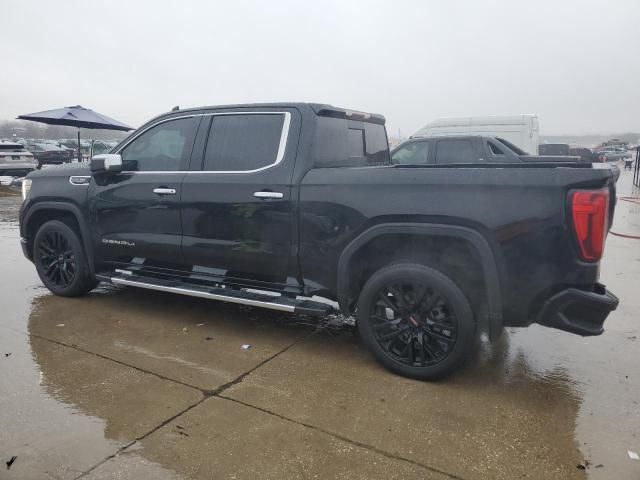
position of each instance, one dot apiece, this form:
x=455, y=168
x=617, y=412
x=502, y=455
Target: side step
x=243, y=297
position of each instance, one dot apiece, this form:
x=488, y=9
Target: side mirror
x=106, y=163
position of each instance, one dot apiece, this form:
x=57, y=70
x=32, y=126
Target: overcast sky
x=576, y=64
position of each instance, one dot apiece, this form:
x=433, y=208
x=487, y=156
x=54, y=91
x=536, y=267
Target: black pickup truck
x=299, y=200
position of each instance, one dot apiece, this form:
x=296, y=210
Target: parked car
x=50, y=154
x=612, y=154
x=585, y=154
x=473, y=149
x=99, y=147
x=554, y=149
x=88, y=148
x=521, y=130
x=298, y=200
x=15, y=161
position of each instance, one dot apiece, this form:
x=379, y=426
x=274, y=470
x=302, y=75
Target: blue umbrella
x=77, y=116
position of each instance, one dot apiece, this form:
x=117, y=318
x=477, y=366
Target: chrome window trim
x=282, y=146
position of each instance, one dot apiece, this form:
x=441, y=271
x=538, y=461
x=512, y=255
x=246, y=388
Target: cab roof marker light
x=354, y=113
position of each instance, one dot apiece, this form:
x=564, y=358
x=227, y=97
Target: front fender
x=28, y=211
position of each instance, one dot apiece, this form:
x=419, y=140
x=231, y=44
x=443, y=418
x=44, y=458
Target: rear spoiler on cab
x=324, y=110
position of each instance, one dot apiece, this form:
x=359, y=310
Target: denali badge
x=118, y=242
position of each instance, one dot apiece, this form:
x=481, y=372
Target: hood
x=64, y=170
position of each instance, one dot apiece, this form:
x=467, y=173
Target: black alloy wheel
x=57, y=259
x=60, y=260
x=413, y=323
x=416, y=321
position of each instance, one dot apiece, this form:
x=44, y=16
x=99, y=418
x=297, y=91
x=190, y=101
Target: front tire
x=416, y=321
x=60, y=260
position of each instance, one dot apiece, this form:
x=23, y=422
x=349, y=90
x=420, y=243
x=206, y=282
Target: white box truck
x=521, y=130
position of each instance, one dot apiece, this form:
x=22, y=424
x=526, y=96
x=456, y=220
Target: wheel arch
x=473, y=238
x=41, y=212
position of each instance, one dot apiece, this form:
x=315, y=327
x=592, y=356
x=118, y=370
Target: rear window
x=512, y=147
x=349, y=143
x=11, y=147
x=355, y=143
x=455, y=151
x=243, y=142
x=495, y=150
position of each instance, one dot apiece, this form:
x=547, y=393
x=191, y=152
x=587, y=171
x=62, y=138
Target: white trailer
x=521, y=130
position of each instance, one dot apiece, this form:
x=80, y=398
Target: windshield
x=516, y=150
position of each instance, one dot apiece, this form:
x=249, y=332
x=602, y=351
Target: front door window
x=415, y=153
x=162, y=148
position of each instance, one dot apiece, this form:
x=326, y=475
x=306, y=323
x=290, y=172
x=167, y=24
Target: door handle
x=164, y=191
x=268, y=194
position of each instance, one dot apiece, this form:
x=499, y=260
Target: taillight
x=590, y=209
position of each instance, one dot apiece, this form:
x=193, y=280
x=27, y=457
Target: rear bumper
x=579, y=311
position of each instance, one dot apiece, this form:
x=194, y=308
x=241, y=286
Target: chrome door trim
x=284, y=135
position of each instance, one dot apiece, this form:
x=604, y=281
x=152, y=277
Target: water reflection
x=519, y=401
x=513, y=360
x=10, y=201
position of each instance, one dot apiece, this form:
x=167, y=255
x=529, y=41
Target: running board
x=243, y=297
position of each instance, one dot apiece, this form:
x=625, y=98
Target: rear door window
x=414, y=153
x=450, y=152
x=243, y=142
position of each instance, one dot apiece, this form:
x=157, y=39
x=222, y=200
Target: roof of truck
x=321, y=109
x=458, y=136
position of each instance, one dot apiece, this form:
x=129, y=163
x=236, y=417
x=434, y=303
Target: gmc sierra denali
x=297, y=200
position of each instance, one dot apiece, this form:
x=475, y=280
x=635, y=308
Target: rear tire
x=416, y=321
x=60, y=260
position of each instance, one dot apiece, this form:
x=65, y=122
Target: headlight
x=26, y=188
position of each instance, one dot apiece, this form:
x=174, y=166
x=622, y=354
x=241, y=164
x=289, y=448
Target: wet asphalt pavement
x=128, y=383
